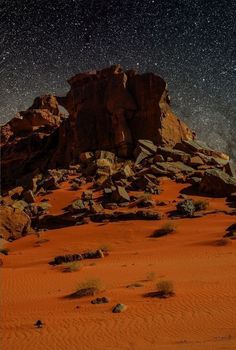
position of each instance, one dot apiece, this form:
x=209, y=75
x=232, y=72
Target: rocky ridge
x=120, y=138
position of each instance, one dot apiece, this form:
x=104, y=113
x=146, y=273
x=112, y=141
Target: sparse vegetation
x=105, y=248
x=166, y=229
x=72, y=266
x=165, y=288
x=201, y=205
x=186, y=207
x=151, y=276
x=93, y=283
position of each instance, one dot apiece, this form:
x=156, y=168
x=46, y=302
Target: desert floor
x=201, y=315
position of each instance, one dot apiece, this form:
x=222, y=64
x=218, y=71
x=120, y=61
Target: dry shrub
x=151, y=276
x=93, y=283
x=166, y=229
x=165, y=288
x=201, y=205
x=72, y=266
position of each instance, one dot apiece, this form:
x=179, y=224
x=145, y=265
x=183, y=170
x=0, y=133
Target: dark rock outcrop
x=218, y=183
x=113, y=114
x=108, y=110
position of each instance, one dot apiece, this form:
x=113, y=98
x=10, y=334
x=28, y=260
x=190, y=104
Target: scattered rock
x=120, y=195
x=194, y=146
x=87, y=195
x=62, y=259
x=38, y=324
x=119, y=308
x=78, y=206
x=102, y=300
x=96, y=208
x=84, y=292
x=50, y=183
x=111, y=206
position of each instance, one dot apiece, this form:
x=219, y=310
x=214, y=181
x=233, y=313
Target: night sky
x=190, y=43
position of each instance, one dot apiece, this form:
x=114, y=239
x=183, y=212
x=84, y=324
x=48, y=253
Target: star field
x=192, y=44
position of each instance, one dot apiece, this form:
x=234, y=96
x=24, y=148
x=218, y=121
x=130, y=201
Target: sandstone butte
x=108, y=110
x=104, y=182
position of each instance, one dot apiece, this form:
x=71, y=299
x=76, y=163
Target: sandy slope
x=202, y=314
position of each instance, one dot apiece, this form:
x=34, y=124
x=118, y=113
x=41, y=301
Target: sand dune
x=202, y=314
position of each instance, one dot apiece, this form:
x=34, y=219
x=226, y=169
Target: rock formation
x=108, y=110
x=113, y=115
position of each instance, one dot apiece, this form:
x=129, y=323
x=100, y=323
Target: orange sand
x=202, y=314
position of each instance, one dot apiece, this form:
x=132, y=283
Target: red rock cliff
x=108, y=109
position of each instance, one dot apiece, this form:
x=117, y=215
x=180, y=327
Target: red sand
x=202, y=314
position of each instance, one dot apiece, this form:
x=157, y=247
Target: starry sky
x=190, y=43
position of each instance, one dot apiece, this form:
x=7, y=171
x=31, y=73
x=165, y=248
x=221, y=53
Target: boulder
x=78, y=206
x=217, y=183
x=171, y=154
x=118, y=308
x=124, y=173
x=29, y=196
x=195, y=161
x=62, y=259
x=196, y=146
x=87, y=195
x=171, y=168
x=14, y=223
x=124, y=216
x=96, y=208
x=141, y=155
x=49, y=183
x=102, y=300
x=145, y=147
x=120, y=195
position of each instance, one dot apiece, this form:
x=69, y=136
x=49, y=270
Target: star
x=191, y=44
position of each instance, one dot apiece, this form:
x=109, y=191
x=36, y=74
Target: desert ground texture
x=201, y=314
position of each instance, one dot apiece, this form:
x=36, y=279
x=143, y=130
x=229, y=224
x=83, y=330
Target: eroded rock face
x=30, y=140
x=122, y=107
x=108, y=110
